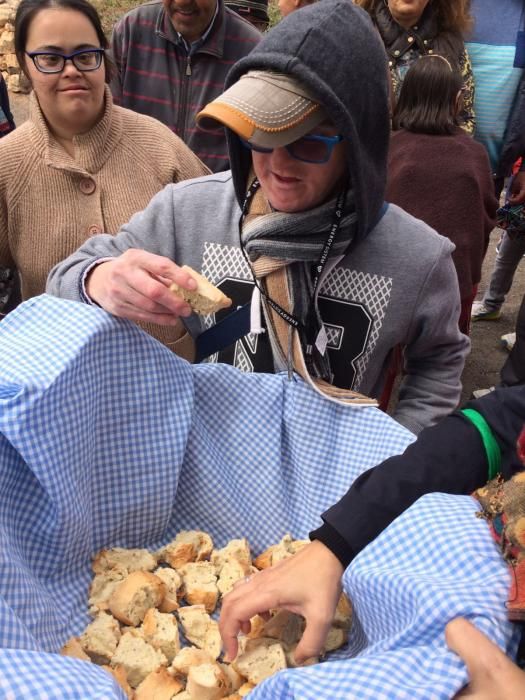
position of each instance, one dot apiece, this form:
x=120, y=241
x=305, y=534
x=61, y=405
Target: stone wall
x=16, y=81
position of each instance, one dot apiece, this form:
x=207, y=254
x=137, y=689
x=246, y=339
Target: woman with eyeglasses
x=80, y=165
x=438, y=173
x=326, y=279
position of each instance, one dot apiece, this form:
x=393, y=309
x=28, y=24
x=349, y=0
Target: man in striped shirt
x=172, y=57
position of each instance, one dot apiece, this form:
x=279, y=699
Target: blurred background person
x=79, y=165
x=172, y=59
x=413, y=29
x=438, y=173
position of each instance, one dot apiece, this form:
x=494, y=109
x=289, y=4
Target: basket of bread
x=154, y=626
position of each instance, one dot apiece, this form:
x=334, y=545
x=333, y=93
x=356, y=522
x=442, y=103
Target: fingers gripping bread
x=206, y=299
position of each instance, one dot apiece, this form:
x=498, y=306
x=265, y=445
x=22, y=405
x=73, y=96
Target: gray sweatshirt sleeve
x=152, y=229
x=436, y=353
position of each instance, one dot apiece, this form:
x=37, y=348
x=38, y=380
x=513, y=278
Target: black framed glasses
x=84, y=60
x=313, y=148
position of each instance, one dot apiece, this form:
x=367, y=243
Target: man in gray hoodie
x=297, y=232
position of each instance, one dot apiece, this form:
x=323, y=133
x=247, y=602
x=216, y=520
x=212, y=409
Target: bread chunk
x=232, y=570
x=285, y=626
x=132, y=598
x=188, y=657
x=103, y=585
x=206, y=298
x=337, y=637
x=200, y=584
x=235, y=549
x=260, y=659
x=100, y=638
x=188, y=546
x=129, y=559
x=120, y=675
x=173, y=582
x=343, y=613
x=162, y=632
x=138, y=658
x=158, y=685
x=207, y=682
x=200, y=629
x=287, y=547
x=73, y=649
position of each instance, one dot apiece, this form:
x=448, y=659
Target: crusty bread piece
x=235, y=680
x=260, y=659
x=183, y=695
x=285, y=626
x=120, y=675
x=336, y=638
x=158, y=685
x=100, y=638
x=257, y=623
x=188, y=546
x=73, y=648
x=132, y=598
x=200, y=629
x=206, y=299
x=188, y=657
x=103, y=585
x=173, y=582
x=232, y=571
x=287, y=547
x=206, y=682
x=162, y=632
x=129, y=559
x=245, y=689
x=235, y=549
x=138, y=658
x=343, y=613
x=200, y=584
x=289, y=652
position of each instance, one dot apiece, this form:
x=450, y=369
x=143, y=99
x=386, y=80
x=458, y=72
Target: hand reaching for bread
x=136, y=286
x=307, y=583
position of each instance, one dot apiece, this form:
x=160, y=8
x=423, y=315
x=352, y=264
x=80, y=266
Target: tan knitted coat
x=50, y=203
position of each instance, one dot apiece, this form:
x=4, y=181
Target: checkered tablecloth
x=106, y=438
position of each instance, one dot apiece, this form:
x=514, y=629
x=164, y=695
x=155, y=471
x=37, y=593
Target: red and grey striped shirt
x=159, y=77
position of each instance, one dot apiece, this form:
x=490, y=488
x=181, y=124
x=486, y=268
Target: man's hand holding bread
x=142, y=286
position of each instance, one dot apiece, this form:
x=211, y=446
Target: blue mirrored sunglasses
x=313, y=148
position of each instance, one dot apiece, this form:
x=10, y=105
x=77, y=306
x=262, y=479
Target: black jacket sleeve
x=448, y=458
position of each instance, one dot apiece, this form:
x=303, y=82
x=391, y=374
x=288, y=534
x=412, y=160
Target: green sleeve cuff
x=492, y=449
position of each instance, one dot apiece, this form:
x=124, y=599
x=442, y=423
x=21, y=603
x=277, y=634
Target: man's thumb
x=471, y=645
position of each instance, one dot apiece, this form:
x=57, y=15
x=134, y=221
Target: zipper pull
x=188, y=65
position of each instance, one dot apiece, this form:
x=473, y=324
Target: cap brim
x=265, y=109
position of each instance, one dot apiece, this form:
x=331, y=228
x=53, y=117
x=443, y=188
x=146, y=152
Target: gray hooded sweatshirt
x=397, y=284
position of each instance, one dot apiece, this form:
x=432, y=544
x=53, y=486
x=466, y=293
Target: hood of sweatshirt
x=333, y=49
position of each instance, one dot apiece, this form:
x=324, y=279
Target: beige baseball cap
x=264, y=108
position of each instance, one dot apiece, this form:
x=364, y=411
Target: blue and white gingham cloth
x=107, y=438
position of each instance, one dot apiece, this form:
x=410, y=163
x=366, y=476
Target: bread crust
x=206, y=299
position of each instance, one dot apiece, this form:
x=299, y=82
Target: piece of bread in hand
x=206, y=299
x=132, y=598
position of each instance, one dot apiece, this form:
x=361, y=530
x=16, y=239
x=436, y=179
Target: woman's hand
x=493, y=676
x=136, y=286
x=309, y=583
